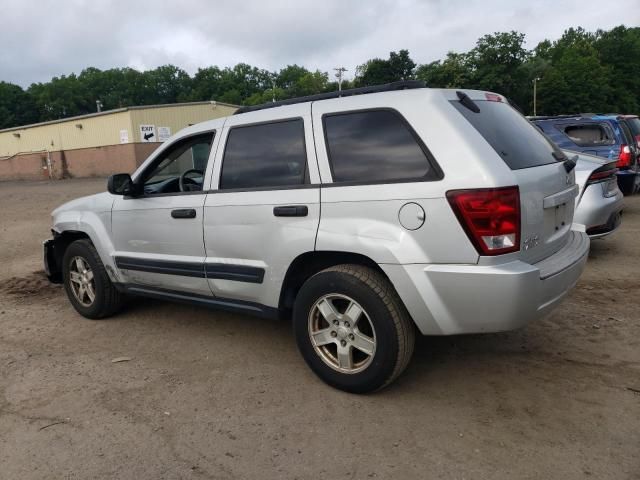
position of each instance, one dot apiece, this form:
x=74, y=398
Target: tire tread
x=401, y=318
x=112, y=298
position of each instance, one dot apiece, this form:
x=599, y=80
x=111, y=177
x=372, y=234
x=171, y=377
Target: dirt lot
x=215, y=395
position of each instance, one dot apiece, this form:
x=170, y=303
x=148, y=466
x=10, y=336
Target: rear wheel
x=86, y=282
x=352, y=328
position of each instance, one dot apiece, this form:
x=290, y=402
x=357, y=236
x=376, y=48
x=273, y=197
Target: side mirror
x=120, y=184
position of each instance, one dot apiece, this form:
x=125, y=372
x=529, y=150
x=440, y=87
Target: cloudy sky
x=45, y=38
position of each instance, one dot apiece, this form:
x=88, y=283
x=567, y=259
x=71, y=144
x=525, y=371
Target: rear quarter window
x=376, y=146
x=514, y=138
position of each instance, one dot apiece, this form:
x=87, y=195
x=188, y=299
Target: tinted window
x=374, y=146
x=266, y=155
x=589, y=135
x=513, y=137
x=634, y=126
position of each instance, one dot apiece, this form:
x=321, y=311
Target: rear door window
x=265, y=155
x=376, y=146
x=589, y=134
x=518, y=142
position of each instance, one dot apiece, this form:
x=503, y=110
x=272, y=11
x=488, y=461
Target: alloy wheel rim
x=81, y=281
x=342, y=333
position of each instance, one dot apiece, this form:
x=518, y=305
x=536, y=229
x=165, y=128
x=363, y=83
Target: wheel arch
x=56, y=249
x=308, y=264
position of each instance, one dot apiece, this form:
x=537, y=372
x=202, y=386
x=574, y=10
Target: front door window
x=180, y=168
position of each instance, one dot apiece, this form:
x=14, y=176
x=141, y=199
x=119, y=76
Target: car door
x=157, y=233
x=264, y=207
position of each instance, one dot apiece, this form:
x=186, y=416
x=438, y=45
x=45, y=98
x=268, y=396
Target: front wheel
x=352, y=329
x=86, y=282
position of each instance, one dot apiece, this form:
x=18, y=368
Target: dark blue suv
x=603, y=135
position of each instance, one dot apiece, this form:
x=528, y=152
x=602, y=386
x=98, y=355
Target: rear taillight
x=490, y=216
x=493, y=97
x=624, y=158
x=601, y=174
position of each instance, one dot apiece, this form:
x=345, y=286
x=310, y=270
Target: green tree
x=62, y=97
x=288, y=77
x=206, y=84
x=166, y=84
x=16, y=106
x=619, y=49
x=577, y=81
x=452, y=72
x=399, y=66
x=496, y=64
x=311, y=83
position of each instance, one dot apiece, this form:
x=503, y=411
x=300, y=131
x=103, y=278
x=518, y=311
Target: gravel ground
x=215, y=395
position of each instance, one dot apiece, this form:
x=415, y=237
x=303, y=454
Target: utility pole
x=535, y=96
x=273, y=89
x=339, y=72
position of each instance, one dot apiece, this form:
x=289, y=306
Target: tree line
x=580, y=72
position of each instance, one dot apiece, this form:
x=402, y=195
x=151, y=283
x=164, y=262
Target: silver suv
x=363, y=216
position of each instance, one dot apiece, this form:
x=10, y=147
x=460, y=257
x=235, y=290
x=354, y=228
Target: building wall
x=82, y=162
x=96, y=131
x=102, y=161
x=31, y=166
x=177, y=117
x=90, y=145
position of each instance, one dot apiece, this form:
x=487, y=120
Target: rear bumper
x=457, y=299
x=600, y=231
x=599, y=214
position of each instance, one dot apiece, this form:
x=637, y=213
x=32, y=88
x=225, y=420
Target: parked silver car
x=364, y=215
x=600, y=202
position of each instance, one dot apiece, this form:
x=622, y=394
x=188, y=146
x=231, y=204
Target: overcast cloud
x=45, y=38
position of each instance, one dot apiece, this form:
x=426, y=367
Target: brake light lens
x=600, y=175
x=624, y=158
x=490, y=217
x=493, y=97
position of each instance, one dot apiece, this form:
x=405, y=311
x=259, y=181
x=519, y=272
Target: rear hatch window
x=590, y=135
x=518, y=142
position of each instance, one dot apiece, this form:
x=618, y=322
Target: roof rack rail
x=387, y=87
x=551, y=117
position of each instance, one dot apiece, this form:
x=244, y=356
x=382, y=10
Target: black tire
x=393, y=327
x=627, y=185
x=107, y=300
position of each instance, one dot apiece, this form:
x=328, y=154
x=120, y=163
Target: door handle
x=183, y=213
x=291, y=211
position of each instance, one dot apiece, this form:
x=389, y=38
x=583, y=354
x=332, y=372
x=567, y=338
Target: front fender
x=90, y=216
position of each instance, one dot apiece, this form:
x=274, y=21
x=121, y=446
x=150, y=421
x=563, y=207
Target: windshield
x=518, y=142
